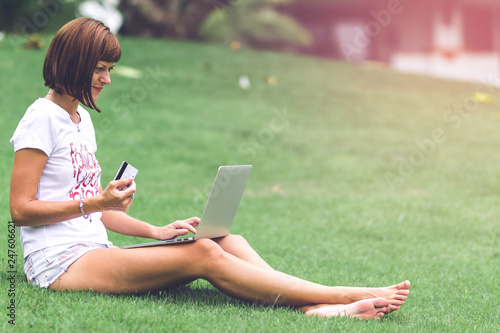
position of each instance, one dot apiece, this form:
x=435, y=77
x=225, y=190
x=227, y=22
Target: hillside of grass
x=362, y=176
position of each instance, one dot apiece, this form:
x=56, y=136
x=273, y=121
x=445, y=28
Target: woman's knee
x=237, y=238
x=207, y=248
x=207, y=256
x=234, y=240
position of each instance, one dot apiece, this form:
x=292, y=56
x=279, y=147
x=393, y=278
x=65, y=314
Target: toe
x=380, y=302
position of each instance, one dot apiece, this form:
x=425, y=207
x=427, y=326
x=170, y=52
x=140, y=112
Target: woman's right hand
x=27, y=210
x=115, y=198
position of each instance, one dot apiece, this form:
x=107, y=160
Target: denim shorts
x=44, y=266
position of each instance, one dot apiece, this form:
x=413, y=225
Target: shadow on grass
x=203, y=295
x=198, y=294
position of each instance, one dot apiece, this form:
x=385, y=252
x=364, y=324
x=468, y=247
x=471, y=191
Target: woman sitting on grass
x=62, y=212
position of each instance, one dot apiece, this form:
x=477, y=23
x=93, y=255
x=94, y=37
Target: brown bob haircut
x=73, y=55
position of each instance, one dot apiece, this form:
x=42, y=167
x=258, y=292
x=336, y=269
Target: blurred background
x=457, y=39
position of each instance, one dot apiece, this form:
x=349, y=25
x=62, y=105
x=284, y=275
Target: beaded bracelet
x=85, y=216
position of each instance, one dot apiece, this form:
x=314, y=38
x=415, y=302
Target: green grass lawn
x=362, y=176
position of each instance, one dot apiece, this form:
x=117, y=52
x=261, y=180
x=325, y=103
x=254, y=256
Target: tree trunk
x=180, y=19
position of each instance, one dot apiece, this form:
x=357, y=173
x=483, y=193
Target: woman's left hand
x=176, y=229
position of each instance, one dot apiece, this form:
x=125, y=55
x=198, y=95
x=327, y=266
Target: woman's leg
x=372, y=308
x=147, y=269
x=239, y=247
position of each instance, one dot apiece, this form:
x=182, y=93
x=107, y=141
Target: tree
x=27, y=17
x=257, y=23
x=12, y=12
x=180, y=19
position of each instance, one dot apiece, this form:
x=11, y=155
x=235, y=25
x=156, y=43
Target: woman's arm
x=124, y=224
x=26, y=210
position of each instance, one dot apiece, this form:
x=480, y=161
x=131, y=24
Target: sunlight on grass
x=361, y=177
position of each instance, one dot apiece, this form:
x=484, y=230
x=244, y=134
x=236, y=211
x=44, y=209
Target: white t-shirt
x=71, y=171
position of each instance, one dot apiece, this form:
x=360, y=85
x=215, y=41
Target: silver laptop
x=220, y=208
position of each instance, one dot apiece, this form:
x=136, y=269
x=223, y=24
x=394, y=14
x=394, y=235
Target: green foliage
x=12, y=12
x=29, y=16
x=257, y=23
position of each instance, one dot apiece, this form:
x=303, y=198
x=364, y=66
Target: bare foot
x=365, y=309
x=396, y=294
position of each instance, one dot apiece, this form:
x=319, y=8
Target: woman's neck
x=68, y=103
